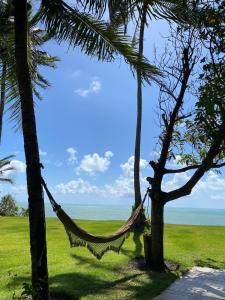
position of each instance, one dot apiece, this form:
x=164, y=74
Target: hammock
x=97, y=245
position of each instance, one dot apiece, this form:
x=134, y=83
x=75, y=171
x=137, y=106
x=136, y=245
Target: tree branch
x=204, y=167
x=179, y=100
x=172, y=171
x=184, y=117
x=217, y=166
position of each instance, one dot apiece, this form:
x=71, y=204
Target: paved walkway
x=198, y=284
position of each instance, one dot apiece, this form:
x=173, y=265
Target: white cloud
x=213, y=186
x=94, y=88
x=18, y=165
x=42, y=153
x=94, y=163
x=209, y=189
x=208, y=192
x=72, y=156
x=78, y=186
x=175, y=182
x=128, y=167
x=123, y=186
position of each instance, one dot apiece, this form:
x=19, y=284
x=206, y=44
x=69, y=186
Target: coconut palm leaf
x=37, y=57
x=5, y=167
x=94, y=37
x=96, y=7
x=180, y=11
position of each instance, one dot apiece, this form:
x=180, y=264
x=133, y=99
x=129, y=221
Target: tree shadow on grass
x=132, y=285
x=81, y=260
x=93, y=263
x=128, y=253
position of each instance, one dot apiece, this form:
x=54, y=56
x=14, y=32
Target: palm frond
x=37, y=57
x=6, y=161
x=96, y=7
x=180, y=11
x=174, y=10
x=8, y=180
x=94, y=37
x=5, y=167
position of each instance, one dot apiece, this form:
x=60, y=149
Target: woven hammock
x=97, y=245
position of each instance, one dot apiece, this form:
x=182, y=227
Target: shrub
x=8, y=206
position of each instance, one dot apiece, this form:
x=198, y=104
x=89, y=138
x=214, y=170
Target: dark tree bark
x=35, y=196
x=157, y=232
x=148, y=249
x=2, y=100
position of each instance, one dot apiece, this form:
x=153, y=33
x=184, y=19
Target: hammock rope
x=97, y=245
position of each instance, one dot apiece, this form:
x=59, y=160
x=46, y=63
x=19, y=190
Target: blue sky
x=86, y=130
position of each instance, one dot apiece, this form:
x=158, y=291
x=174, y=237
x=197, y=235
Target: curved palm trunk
x=35, y=196
x=2, y=100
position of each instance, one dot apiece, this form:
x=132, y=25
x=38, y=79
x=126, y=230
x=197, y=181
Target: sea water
x=173, y=215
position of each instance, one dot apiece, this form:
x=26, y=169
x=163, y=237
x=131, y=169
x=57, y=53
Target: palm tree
x=95, y=38
x=35, y=197
x=139, y=228
x=139, y=12
x=5, y=167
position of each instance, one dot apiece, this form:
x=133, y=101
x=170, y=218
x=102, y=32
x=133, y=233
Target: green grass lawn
x=76, y=273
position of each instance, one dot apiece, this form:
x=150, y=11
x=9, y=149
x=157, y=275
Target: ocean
x=173, y=215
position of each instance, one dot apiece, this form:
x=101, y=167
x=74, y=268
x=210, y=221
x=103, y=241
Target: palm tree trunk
x=139, y=227
x=35, y=196
x=157, y=231
x=2, y=100
x=137, y=188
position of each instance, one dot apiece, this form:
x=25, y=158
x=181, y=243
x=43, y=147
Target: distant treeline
x=8, y=207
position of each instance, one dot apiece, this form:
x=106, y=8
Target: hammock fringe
x=96, y=254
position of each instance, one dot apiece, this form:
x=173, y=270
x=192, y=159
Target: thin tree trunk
x=2, y=100
x=157, y=231
x=137, y=188
x=35, y=196
x=139, y=227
